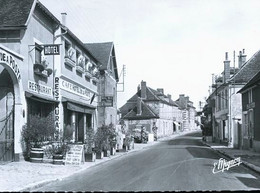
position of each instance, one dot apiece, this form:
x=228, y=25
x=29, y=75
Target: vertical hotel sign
x=10, y=61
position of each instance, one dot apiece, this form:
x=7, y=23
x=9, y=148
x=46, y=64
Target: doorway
x=6, y=116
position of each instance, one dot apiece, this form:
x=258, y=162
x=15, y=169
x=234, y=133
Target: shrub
x=89, y=141
x=36, y=132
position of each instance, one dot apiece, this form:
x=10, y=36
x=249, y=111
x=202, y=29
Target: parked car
x=140, y=135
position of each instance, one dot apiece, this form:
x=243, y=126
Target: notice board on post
x=75, y=156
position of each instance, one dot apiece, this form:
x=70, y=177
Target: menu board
x=75, y=156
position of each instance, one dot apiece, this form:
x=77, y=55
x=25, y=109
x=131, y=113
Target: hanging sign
x=75, y=156
x=106, y=101
x=51, y=49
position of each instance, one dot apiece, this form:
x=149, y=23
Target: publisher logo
x=223, y=164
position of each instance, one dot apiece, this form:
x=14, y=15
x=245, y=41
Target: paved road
x=182, y=163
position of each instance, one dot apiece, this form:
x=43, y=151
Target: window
x=67, y=47
x=250, y=97
x=38, y=54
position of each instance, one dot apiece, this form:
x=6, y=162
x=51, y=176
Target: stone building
x=108, y=79
x=226, y=103
x=27, y=78
x=152, y=109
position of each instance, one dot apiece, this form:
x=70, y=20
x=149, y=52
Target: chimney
x=169, y=96
x=241, y=58
x=226, y=68
x=182, y=101
x=160, y=90
x=139, y=106
x=63, y=18
x=143, y=90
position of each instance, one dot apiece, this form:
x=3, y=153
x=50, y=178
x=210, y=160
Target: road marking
x=244, y=175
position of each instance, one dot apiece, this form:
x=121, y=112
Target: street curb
x=246, y=164
x=44, y=182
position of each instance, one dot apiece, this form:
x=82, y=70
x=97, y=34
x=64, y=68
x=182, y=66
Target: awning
x=82, y=108
x=176, y=123
x=39, y=98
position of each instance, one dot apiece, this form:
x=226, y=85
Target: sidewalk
x=250, y=159
x=25, y=176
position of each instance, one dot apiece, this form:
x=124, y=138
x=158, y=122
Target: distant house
x=188, y=112
x=251, y=111
x=152, y=109
x=108, y=79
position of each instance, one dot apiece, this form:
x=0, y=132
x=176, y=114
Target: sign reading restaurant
x=9, y=59
x=39, y=88
x=79, y=90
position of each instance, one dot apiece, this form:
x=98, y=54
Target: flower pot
x=112, y=151
x=106, y=153
x=100, y=155
x=90, y=157
x=58, y=159
x=36, y=155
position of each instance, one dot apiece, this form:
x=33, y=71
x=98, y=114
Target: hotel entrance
x=6, y=116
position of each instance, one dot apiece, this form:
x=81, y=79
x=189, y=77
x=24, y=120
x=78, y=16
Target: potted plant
x=34, y=134
x=112, y=134
x=99, y=142
x=59, y=147
x=128, y=141
x=90, y=155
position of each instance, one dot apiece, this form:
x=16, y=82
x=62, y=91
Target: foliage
x=128, y=138
x=105, y=137
x=60, y=145
x=89, y=141
x=35, y=132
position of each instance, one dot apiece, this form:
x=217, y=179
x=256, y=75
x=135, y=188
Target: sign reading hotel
x=9, y=59
x=75, y=156
x=39, y=88
x=78, y=90
x=51, y=49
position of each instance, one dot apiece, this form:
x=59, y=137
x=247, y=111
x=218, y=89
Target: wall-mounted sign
x=106, y=101
x=9, y=59
x=76, y=89
x=40, y=89
x=51, y=49
x=75, y=156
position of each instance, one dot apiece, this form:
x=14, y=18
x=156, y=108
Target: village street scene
x=129, y=95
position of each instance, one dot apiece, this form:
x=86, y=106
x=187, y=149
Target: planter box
x=106, y=153
x=36, y=155
x=58, y=159
x=100, y=155
x=90, y=157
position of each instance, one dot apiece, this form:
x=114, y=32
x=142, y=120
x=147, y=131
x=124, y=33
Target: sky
x=172, y=44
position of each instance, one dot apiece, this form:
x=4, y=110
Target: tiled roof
x=101, y=51
x=248, y=70
x=14, y=12
x=147, y=112
x=251, y=82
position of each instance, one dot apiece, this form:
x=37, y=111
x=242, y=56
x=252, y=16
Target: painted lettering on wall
x=7, y=58
x=57, y=88
x=39, y=88
x=68, y=86
x=57, y=117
